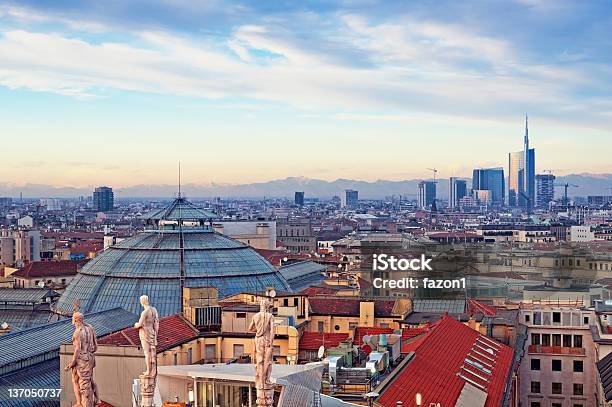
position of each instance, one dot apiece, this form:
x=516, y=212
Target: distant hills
x=589, y=184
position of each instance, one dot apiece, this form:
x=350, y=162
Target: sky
x=117, y=92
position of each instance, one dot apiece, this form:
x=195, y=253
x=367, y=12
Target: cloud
x=313, y=61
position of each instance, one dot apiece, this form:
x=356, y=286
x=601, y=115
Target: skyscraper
x=103, y=199
x=457, y=190
x=521, y=174
x=299, y=198
x=545, y=190
x=492, y=180
x=427, y=193
x=350, y=198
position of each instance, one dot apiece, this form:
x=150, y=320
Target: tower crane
x=565, y=186
x=434, y=170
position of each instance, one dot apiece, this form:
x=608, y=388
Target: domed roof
x=159, y=262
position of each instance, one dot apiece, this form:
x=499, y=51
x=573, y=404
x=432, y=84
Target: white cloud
x=412, y=65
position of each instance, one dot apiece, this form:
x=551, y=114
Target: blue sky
x=117, y=92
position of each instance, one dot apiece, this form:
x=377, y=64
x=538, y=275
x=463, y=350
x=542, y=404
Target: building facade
x=427, y=194
x=492, y=180
x=457, y=190
x=558, y=368
x=350, y=198
x=296, y=235
x=545, y=190
x=103, y=199
x=299, y=198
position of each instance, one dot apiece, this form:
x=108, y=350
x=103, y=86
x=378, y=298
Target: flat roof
x=241, y=372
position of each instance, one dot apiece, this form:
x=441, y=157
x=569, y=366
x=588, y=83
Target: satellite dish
x=272, y=292
x=321, y=352
x=41, y=284
x=4, y=325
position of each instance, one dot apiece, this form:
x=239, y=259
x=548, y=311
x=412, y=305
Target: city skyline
x=244, y=93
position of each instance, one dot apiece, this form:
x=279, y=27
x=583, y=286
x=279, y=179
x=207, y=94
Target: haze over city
x=244, y=93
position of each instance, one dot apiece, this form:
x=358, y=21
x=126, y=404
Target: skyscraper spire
x=526, y=132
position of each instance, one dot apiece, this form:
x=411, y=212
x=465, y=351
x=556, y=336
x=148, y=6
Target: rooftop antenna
x=179, y=179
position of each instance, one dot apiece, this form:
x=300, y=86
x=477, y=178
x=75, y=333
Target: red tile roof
x=314, y=291
x=314, y=340
x=413, y=345
x=439, y=359
x=87, y=247
x=361, y=331
x=49, y=268
x=477, y=307
x=173, y=330
x=348, y=306
x=409, y=333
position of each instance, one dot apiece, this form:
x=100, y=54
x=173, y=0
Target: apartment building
x=558, y=369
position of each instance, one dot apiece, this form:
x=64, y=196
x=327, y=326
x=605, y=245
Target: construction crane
x=565, y=186
x=434, y=170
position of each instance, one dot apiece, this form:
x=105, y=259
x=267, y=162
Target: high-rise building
x=427, y=194
x=457, y=190
x=103, y=199
x=299, y=198
x=350, y=198
x=545, y=190
x=521, y=174
x=492, y=180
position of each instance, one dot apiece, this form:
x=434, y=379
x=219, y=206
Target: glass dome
x=177, y=252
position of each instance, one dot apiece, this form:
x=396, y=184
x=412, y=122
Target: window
x=556, y=365
x=238, y=350
x=535, y=364
x=567, y=341
x=286, y=302
x=295, y=302
x=175, y=359
x=545, y=339
x=577, y=341
x=321, y=326
x=276, y=350
x=557, y=388
x=578, y=366
x=586, y=320
x=556, y=405
x=578, y=389
x=210, y=352
x=535, y=404
x=556, y=317
x=535, y=339
x=189, y=356
x=527, y=317
x=556, y=340
x=535, y=387
x=241, y=315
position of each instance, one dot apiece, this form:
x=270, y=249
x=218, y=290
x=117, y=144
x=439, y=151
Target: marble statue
x=148, y=326
x=83, y=361
x=263, y=326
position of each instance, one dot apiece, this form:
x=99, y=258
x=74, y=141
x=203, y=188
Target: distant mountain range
x=588, y=184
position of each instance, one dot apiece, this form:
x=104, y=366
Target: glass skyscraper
x=457, y=190
x=521, y=174
x=103, y=199
x=492, y=180
x=427, y=193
